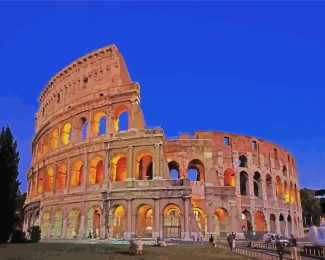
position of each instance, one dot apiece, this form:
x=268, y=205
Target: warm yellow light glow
x=292, y=194
x=118, y=168
x=286, y=193
x=73, y=223
x=40, y=182
x=96, y=122
x=66, y=132
x=118, y=111
x=96, y=171
x=77, y=174
x=54, y=139
x=278, y=186
x=229, y=178
x=49, y=180
x=144, y=161
x=61, y=177
x=45, y=144
x=260, y=221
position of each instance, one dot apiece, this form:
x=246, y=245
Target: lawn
x=110, y=252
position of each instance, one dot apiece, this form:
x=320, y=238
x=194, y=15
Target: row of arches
x=78, y=130
x=195, y=170
x=288, y=191
x=118, y=172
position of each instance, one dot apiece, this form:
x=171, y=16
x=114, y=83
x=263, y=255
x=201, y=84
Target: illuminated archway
x=118, y=168
x=278, y=187
x=196, y=168
x=66, y=134
x=144, y=166
x=34, y=187
x=45, y=224
x=61, y=177
x=94, y=222
x=99, y=124
x=201, y=219
x=144, y=221
x=121, y=119
x=45, y=144
x=57, y=224
x=40, y=183
x=246, y=221
x=96, y=171
x=260, y=221
x=221, y=222
x=172, y=221
x=116, y=222
x=229, y=178
x=77, y=174
x=286, y=192
x=269, y=188
x=54, y=139
x=73, y=223
x=49, y=180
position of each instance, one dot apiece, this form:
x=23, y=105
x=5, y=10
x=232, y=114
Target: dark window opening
x=226, y=141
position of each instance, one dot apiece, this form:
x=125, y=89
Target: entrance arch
x=172, y=221
x=116, y=222
x=57, y=224
x=282, y=225
x=260, y=221
x=144, y=221
x=118, y=168
x=229, y=178
x=94, y=222
x=201, y=219
x=144, y=166
x=73, y=223
x=246, y=221
x=221, y=222
x=272, y=223
x=45, y=224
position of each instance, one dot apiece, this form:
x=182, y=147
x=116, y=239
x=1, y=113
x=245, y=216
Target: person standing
x=293, y=248
x=229, y=239
x=233, y=242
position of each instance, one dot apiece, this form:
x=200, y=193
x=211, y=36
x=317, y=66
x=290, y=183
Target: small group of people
x=295, y=255
x=231, y=238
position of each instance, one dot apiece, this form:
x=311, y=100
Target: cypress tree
x=9, y=159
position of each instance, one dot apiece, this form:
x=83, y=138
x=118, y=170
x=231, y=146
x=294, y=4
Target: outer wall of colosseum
x=90, y=178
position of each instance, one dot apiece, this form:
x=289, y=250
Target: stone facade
x=90, y=178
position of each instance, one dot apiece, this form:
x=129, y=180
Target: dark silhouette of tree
x=9, y=159
x=311, y=209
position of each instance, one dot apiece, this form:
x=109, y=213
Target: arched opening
x=84, y=128
x=144, y=221
x=282, y=225
x=61, y=177
x=229, y=178
x=242, y=161
x=99, y=124
x=272, y=223
x=173, y=170
x=201, y=220
x=54, y=139
x=257, y=185
x=73, y=223
x=121, y=120
x=284, y=171
x=260, y=221
x=45, y=144
x=172, y=221
x=118, y=168
x=269, y=188
x=278, y=187
x=39, y=148
x=289, y=220
x=195, y=170
x=77, y=174
x=246, y=221
x=286, y=192
x=34, y=187
x=292, y=193
x=40, y=182
x=66, y=134
x=221, y=222
x=57, y=224
x=49, y=180
x=96, y=171
x=244, y=185
x=45, y=224
x=116, y=222
x=94, y=222
x=144, y=166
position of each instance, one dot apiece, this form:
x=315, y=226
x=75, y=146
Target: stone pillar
x=85, y=171
x=278, y=224
x=128, y=222
x=69, y=173
x=157, y=174
x=83, y=223
x=106, y=170
x=130, y=164
x=253, y=219
x=155, y=232
x=103, y=224
x=90, y=132
x=186, y=220
x=55, y=169
x=65, y=225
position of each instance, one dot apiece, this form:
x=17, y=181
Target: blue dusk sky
x=255, y=68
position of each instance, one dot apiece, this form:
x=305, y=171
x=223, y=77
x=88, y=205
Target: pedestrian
x=293, y=248
x=211, y=239
x=229, y=239
x=279, y=247
x=233, y=244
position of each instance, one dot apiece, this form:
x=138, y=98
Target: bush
x=18, y=236
x=34, y=234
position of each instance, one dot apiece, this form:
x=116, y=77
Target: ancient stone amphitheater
x=90, y=178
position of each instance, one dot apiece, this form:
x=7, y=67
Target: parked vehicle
x=271, y=238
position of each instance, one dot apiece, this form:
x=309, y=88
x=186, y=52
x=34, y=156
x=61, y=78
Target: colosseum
x=91, y=178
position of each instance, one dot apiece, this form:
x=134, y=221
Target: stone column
x=85, y=171
x=130, y=164
x=83, y=223
x=186, y=220
x=90, y=132
x=155, y=232
x=65, y=225
x=157, y=174
x=106, y=170
x=128, y=222
x=69, y=173
x=103, y=224
x=55, y=169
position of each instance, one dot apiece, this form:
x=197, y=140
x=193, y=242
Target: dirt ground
x=110, y=252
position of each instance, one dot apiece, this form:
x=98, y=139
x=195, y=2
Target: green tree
x=311, y=209
x=9, y=159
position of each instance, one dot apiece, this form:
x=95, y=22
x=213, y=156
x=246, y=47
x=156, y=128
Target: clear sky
x=255, y=68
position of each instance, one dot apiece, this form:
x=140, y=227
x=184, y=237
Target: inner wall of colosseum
x=98, y=172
